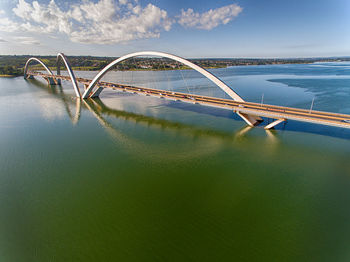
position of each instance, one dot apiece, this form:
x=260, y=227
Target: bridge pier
x=249, y=119
x=26, y=76
x=251, y=113
x=274, y=123
x=52, y=81
x=97, y=92
x=29, y=77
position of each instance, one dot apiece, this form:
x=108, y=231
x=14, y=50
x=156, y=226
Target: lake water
x=134, y=178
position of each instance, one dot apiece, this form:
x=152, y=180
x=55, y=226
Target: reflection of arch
x=74, y=118
x=37, y=60
x=61, y=56
x=140, y=147
x=100, y=110
x=67, y=100
x=89, y=91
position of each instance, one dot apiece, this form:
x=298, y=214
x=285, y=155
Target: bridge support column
x=51, y=81
x=274, y=123
x=28, y=76
x=249, y=119
x=97, y=92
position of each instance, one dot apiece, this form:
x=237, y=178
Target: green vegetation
x=9, y=71
x=13, y=65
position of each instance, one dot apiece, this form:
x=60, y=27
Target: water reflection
x=150, y=150
x=242, y=132
x=213, y=140
x=66, y=99
x=74, y=118
x=287, y=85
x=294, y=198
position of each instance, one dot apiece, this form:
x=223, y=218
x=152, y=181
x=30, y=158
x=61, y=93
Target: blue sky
x=244, y=28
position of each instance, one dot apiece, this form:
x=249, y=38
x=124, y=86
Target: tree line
x=13, y=65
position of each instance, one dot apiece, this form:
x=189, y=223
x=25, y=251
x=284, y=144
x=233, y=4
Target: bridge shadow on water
x=98, y=108
x=214, y=139
x=290, y=125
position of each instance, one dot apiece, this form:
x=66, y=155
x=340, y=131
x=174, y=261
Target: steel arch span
x=250, y=112
x=90, y=92
x=37, y=60
x=61, y=56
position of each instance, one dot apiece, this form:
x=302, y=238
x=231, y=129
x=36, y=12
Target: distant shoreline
x=87, y=69
x=184, y=67
x=9, y=76
x=142, y=65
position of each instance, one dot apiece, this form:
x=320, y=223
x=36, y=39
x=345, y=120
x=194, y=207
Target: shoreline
x=9, y=76
x=90, y=69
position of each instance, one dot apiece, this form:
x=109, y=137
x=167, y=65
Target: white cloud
x=102, y=11
x=141, y=23
x=107, y=21
x=26, y=40
x=123, y=2
x=48, y=18
x=103, y=22
x=6, y=25
x=210, y=19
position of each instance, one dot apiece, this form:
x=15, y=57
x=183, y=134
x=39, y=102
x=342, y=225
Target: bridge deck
x=249, y=108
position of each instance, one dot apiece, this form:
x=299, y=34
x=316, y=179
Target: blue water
x=289, y=84
x=294, y=85
x=133, y=178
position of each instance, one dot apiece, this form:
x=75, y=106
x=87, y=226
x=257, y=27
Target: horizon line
x=247, y=57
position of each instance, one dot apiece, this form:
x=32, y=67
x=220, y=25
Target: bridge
x=251, y=113
x=100, y=110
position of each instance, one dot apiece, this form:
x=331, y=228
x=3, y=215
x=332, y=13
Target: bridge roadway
x=280, y=113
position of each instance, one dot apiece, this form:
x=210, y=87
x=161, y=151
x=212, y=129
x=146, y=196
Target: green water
x=133, y=178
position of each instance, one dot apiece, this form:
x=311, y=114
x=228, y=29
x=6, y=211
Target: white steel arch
x=89, y=91
x=37, y=60
x=70, y=72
